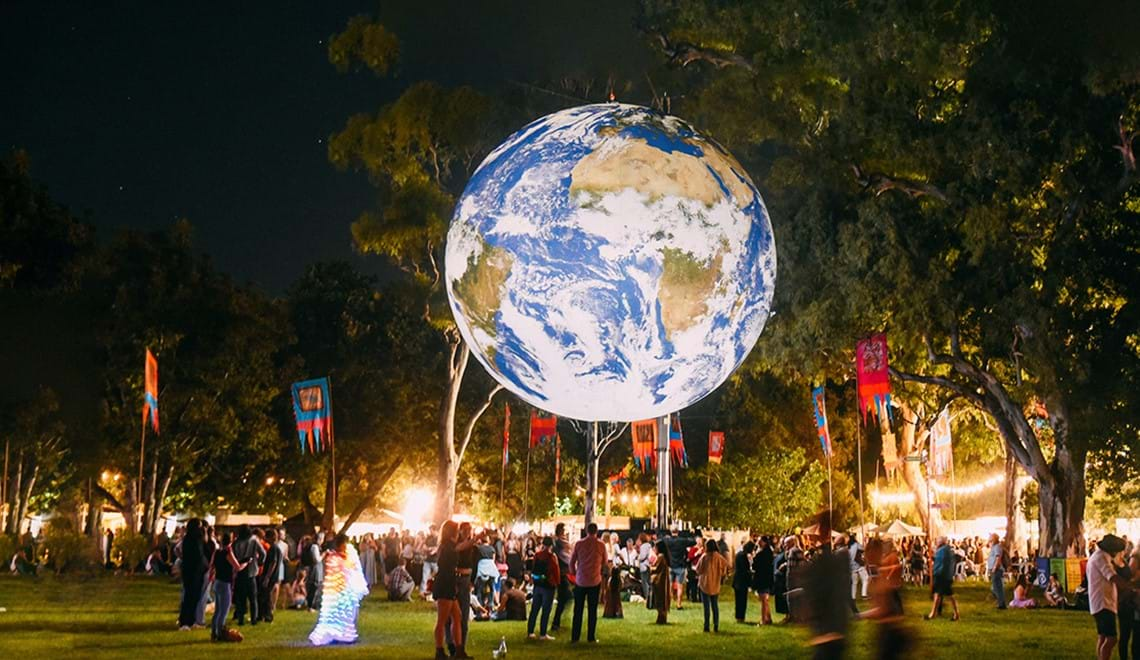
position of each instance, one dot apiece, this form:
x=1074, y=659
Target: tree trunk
x=376, y=485
x=12, y=525
x=150, y=511
x=27, y=495
x=327, y=520
x=593, y=457
x=913, y=435
x=448, y=468
x=160, y=498
x=1062, y=506
x=1012, y=501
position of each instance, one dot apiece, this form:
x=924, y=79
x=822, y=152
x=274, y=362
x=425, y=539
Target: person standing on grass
x=943, y=579
x=742, y=580
x=193, y=573
x=660, y=576
x=586, y=562
x=827, y=585
x=644, y=555
x=268, y=582
x=678, y=549
x=858, y=570
x=562, y=552
x=248, y=550
x=445, y=593
x=1104, y=584
x=995, y=564
x=224, y=566
x=711, y=569
x=465, y=567
x=1126, y=607
x=344, y=588
x=764, y=577
x=546, y=577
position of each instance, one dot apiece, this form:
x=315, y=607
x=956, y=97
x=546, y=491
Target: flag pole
x=502, y=480
x=139, y=483
x=859, y=459
x=830, y=504
x=332, y=453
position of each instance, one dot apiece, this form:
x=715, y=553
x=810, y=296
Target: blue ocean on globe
x=609, y=263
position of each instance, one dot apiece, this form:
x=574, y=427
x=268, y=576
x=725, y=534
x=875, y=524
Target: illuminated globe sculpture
x=608, y=263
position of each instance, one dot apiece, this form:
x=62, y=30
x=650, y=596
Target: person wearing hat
x=1103, y=595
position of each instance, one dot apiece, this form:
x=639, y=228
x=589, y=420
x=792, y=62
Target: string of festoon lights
x=880, y=498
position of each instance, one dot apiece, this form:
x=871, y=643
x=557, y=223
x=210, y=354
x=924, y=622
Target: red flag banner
x=716, y=446
x=874, y=382
x=150, y=396
x=618, y=480
x=506, y=433
x=677, y=442
x=644, y=443
x=543, y=428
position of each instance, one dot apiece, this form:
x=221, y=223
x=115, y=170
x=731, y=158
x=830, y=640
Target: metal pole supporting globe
x=608, y=262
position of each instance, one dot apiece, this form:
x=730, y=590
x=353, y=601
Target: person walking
x=586, y=562
x=562, y=552
x=546, y=577
x=224, y=566
x=193, y=573
x=248, y=550
x=742, y=580
x=943, y=579
x=660, y=577
x=711, y=569
x=445, y=594
x=858, y=570
x=995, y=564
x=764, y=577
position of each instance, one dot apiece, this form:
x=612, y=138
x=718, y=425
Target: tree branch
x=475, y=418
x=106, y=494
x=940, y=381
x=881, y=183
x=682, y=54
x=377, y=485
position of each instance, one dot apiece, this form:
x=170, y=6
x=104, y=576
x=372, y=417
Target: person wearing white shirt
x=1103, y=584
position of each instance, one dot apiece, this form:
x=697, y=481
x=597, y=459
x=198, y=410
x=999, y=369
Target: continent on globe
x=608, y=262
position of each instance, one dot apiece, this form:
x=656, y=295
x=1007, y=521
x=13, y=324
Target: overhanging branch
x=470, y=429
x=880, y=183
x=683, y=53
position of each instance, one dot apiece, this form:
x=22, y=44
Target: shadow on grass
x=84, y=627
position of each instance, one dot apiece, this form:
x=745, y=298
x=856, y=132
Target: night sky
x=137, y=115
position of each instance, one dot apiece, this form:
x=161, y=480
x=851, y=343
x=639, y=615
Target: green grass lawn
x=118, y=617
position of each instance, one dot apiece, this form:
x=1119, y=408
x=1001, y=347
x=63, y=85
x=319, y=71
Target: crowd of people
x=488, y=575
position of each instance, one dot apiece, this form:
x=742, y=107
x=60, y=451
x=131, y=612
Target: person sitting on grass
x=1021, y=597
x=400, y=582
x=1055, y=595
x=296, y=593
x=512, y=603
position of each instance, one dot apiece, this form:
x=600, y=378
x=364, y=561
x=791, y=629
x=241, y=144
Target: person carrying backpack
x=546, y=578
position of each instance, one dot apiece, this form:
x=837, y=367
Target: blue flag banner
x=820, y=411
x=312, y=407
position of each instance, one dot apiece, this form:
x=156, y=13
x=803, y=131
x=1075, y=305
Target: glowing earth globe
x=609, y=263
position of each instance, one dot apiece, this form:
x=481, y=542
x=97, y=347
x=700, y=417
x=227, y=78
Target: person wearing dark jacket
x=742, y=580
x=247, y=549
x=193, y=573
x=763, y=577
x=267, y=582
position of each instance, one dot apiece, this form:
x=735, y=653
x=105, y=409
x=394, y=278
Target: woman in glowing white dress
x=344, y=587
